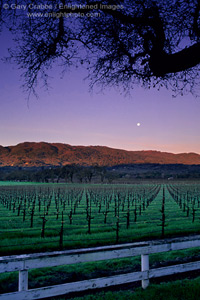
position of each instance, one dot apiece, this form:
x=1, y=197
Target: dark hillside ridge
x=30, y=154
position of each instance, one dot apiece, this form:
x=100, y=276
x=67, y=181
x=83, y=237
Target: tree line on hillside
x=97, y=174
x=68, y=174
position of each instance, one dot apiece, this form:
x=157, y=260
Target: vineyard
x=43, y=217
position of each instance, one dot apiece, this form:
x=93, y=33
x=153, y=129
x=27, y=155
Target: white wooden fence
x=23, y=263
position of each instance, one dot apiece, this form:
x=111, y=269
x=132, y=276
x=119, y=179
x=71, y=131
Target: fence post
x=23, y=280
x=145, y=267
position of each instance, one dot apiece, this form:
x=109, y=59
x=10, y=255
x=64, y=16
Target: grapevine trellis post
x=163, y=214
x=44, y=220
x=61, y=233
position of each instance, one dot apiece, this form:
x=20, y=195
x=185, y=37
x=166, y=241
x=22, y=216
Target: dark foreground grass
x=179, y=290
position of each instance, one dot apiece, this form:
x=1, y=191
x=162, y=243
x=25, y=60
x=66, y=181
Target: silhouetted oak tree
x=122, y=43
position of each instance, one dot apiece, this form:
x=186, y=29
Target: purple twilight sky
x=68, y=113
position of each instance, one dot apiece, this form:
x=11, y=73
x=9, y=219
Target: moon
x=138, y=124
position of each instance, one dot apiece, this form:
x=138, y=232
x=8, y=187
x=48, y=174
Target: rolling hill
x=29, y=154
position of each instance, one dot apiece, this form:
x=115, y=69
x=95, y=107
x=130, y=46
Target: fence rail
x=23, y=263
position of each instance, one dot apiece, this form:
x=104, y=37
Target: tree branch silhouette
x=121, y=43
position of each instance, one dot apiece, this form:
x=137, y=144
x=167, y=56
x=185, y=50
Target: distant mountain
x=30, y=154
